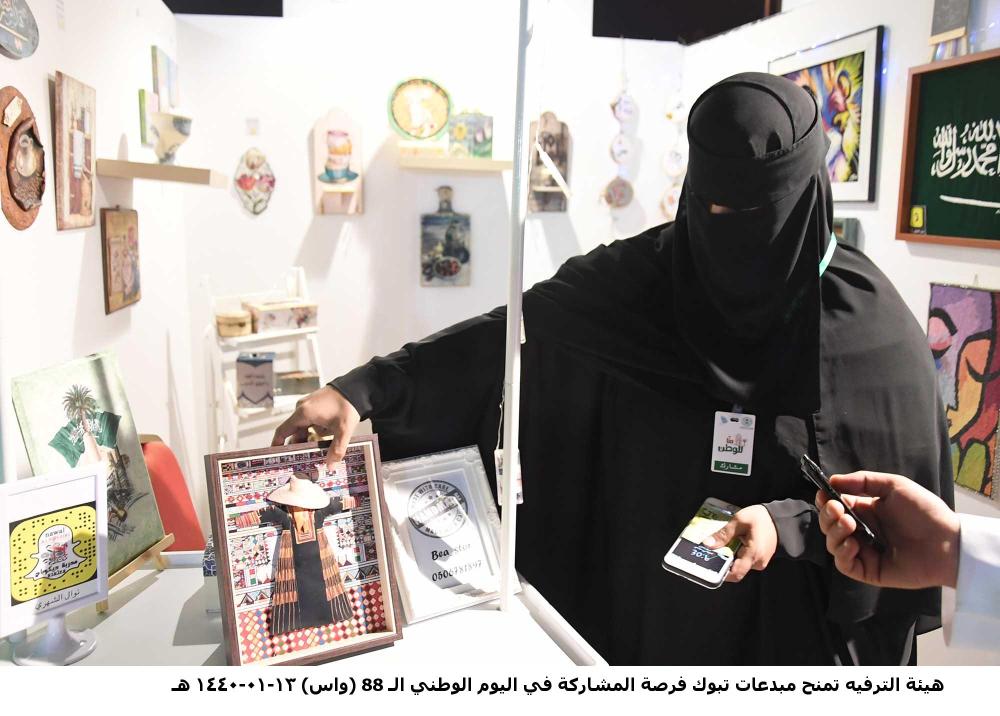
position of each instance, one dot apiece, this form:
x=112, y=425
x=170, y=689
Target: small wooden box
x=231, y=324
x=296, y=382
x=255, y=380
x=282, y=315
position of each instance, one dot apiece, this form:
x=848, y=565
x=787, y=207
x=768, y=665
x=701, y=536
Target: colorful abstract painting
x=843, y=77
x=962, y=331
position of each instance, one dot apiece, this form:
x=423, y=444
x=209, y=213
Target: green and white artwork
x=77, y=414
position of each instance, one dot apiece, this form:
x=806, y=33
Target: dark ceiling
x=262, y=8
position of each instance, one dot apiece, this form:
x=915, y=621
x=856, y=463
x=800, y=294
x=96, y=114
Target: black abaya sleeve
x=799, y=536
x=439, y=393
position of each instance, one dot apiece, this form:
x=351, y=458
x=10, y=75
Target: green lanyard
x=828, y=257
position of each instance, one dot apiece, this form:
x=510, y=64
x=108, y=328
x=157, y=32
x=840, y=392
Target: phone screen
x=708, y=520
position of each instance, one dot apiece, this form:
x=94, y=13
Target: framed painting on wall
x=845, y=78
x=53, y=545
x=120, y=252
x=77, y=414
x=304, y=572
x=76, y=111
x=962, y=329
x=949, y=184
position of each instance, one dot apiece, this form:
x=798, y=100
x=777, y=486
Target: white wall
x=910, y=266
x=363, y=270
x=51, y=289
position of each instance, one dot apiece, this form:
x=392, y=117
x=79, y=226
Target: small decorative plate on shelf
x=419, y=109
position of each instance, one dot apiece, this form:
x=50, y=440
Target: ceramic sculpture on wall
x=22, y=181
x=544, y=192
x=75, y=118
x=170, y=131
x=444, y=244
x=254, y=181
x=18, y=29
x=337, y=165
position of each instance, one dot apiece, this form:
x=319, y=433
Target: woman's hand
x=755, y=529
x=328, y=412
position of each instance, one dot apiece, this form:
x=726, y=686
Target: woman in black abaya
x=744, y=303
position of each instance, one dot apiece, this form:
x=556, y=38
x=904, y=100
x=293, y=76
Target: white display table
x=158, y=618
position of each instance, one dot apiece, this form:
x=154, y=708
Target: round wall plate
x=419, y=109
x=621, y=148
x=618, y=193
x=623, y=107
x=18, y=29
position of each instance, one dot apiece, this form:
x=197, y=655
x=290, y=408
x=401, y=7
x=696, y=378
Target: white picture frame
x=445, y=532
x=45, y=508
x=813, y=61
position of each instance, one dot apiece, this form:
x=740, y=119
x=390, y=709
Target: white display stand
x=158, y=618
x=55, y=646
x=296, y=349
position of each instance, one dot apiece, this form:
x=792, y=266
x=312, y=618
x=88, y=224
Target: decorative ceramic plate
x=419, y=109
x=18, y=29
x=621, y=148
x=623, y=107
x=670, y=201
x=618, y=193
x=675, y=161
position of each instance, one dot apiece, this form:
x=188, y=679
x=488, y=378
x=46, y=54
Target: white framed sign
x=53, y=545
x=445, y=532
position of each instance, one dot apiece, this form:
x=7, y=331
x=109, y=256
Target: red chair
x=172, y=496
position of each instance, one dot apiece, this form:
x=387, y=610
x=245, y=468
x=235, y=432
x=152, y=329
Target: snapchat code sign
x=53, y=551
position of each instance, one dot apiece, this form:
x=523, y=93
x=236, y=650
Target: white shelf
x=283, y=406
x=456, y=164
x=267, y=337
x=121, y=169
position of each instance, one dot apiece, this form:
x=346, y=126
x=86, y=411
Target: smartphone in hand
x=690, y=559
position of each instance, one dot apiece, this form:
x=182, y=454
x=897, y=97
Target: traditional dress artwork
x=77, y=414
x=76, y=109
x=304, y=572
x=254, y=181
x=962, y=328
x=444, y=244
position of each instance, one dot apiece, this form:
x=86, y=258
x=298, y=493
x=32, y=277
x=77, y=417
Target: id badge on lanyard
x=732, y=443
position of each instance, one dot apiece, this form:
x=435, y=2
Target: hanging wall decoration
x=337, y=165
x=304, y=570
x=120, y=252
x=76, y=111
x=618, y=193
x=544, y=192
x=445, y=532
x=470, y=134
x=77, y=414
x=963, y=327
x=254, y=181
x=18, y=29
x=950, y=180
x=22, y=181
x=444, y=244
x=844, y=77
x=674, y=157
x=419, y=109
x=170, y=131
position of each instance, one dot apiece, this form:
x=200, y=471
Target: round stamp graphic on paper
x=437, y=508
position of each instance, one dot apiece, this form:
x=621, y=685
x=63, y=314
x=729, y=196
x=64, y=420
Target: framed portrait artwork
x=445, y=532
x=304, y=572
x=120, y=252
x=53, y=545
x=76, y=110
x=845, y=77
x=949, y=184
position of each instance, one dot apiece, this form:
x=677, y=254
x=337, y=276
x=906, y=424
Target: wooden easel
x=153, y=554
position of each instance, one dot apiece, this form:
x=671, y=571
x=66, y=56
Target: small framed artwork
x=120, y=251
x=445, y=238
x=845, y=78
x=53, y=545
x=949, y=184
x=76, y=111
x=304, y=571
x=445, y=532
